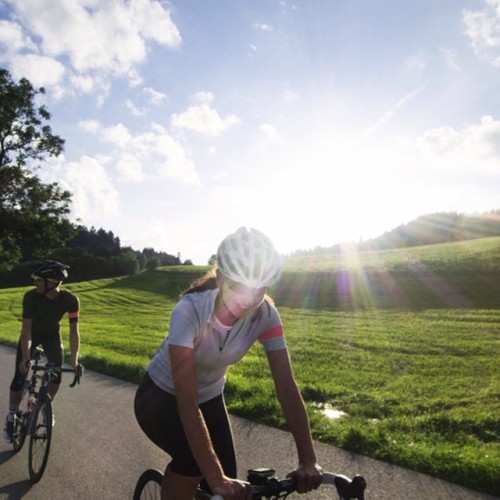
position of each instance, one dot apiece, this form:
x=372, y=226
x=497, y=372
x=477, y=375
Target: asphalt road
x=98, y=451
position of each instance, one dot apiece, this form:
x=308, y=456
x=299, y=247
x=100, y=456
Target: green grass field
x=408, y=351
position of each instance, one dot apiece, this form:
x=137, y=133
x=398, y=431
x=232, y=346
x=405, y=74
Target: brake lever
x=78, y=374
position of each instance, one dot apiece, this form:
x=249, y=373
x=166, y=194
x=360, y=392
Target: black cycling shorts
x=156, y=412
x=54, y=351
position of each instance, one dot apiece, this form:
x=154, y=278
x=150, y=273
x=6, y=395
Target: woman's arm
x=290, y=399
x=184, y=377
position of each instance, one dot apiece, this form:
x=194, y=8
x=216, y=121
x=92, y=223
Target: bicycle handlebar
x=49, y=367
x=347, y=489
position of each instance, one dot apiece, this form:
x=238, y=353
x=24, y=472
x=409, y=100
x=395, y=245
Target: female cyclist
x=180, y=404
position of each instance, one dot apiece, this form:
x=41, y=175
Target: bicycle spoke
x=151, y=491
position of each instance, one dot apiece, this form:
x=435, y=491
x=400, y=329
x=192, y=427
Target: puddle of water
x=329, y=411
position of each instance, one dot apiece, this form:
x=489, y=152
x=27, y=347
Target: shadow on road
x=15, y=491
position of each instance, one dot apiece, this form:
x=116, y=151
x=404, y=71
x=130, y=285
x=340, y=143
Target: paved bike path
x=98, y=451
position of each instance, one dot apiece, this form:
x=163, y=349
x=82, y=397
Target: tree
x=33, y=215
x=97, y=242
x=152, y=263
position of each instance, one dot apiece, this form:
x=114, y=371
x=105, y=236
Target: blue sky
x=316, y=121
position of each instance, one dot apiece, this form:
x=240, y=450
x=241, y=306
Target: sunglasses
x=38, y=279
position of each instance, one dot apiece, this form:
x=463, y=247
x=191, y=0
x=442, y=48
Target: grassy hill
x=482, y=254
x=456, y=275
x=438, y=228
x=404, y=342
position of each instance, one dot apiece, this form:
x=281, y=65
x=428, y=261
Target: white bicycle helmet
x=249, y=257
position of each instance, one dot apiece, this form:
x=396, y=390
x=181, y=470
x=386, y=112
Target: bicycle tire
x=148, y=486
x=21, y=421
x=40, y=439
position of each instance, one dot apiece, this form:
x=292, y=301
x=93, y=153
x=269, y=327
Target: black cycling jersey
x=46, y=314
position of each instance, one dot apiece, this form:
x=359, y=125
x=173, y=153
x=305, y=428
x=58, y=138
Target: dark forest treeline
x=92, y=254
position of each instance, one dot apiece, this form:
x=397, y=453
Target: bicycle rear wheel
x=21, y=421
x=148, y=486
x=41, y=435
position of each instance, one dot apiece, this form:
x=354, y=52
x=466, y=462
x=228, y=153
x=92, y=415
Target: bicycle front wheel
x=41, y=435
x=21, y=420
x=148, y=486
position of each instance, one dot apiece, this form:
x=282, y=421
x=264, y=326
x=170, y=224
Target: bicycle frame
x=34, y=416
x=29, y=397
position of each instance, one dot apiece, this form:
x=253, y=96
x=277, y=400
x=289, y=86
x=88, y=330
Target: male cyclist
x=43, y=308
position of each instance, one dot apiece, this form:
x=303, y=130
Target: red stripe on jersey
x=74, y=314
x=277, y=331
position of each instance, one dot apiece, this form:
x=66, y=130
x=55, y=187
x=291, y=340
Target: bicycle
x=34, y=416
x=264, y=485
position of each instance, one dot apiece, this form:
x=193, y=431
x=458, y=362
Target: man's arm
x=74, y=343
x=25, y=342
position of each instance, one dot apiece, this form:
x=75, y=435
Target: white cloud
x=264, y=26
x=451, y=59
x=203, y=119
x=204, y=96
x=475, y=149
x=118, y=135
x=82, y=83
x=289, y=97
x=129, y=168
x=97, y=35
x=134, y=109
x=90, y=126
x=154, y=96
x=153, y=153
x=270, y=132
x=13, y=38
x=173, y=159
x=483, y=29
x=417, y=62
x=41, y=71
x=87, y=180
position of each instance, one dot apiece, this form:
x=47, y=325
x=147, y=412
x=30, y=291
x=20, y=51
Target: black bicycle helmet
x=51, y=270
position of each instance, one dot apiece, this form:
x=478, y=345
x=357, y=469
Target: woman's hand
x=233, y=489
x=308, y=476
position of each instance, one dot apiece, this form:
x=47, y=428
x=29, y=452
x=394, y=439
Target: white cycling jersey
x=193, y=325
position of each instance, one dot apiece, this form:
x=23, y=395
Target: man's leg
x=15, y=394
x=55, y=354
